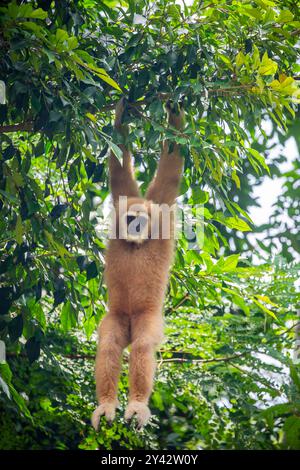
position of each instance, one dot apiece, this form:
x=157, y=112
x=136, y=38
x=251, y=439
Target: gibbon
x=136, y=274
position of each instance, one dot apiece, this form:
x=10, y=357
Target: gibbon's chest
x=135, y=262
x=133, y=273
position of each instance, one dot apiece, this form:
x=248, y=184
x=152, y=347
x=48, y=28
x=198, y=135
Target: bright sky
x=268, y=192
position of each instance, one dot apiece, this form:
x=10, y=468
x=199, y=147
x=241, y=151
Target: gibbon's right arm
x=165, y=185
x=122, y=180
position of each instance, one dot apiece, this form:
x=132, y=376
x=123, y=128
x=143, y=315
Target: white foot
x=138, y=409
x=107, y=409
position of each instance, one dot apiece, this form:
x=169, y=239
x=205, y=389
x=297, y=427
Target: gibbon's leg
x=165, y=185
x=146, y=334
x=113, y=338
x=122, y=181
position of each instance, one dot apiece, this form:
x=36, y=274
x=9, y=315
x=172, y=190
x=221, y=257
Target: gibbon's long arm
x=164, y=187
x=122, y=180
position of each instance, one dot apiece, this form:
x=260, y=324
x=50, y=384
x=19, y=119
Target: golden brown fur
x=136, y=275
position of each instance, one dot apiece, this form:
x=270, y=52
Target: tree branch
x=28, y=126
x=91, y=357
x=21, y=127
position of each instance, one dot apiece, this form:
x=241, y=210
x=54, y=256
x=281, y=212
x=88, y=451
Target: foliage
x=65, y=64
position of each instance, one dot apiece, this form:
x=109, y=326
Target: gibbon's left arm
x=122, y=180
x=165, y=185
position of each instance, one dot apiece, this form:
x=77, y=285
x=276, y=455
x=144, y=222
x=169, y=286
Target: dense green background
x=225, y=376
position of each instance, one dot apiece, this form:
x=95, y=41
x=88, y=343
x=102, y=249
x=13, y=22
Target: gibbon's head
x=133, y=219
x=139, y=220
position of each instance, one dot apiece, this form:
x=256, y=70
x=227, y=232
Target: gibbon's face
x=134, y=220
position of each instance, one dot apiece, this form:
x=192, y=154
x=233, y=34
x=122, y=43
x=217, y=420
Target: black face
x=130, y=218
x=136, y=223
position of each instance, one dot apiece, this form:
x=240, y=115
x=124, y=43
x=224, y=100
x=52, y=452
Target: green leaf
x=91, y=270
x=10, y=391
x=10, y=197
x=260, y=158
x=72, y=43
x=265, y=309
x=61, y=35
x=68, y=317
x=89, y=326
x=4, y=386
x=38, y=14
x=33, y=348
x=226, y=60
x=199, y=196
x=240, y=302
x=278, y=410
x=285, y=16
x=240, y=59
x=61, y=250
x=267, y=66
x=100, y=72
x=232, y=222
x=291, y=429
x=19, y=230
x=116, y=150
x=238, y=224
x=230, y=263
x=295, y=375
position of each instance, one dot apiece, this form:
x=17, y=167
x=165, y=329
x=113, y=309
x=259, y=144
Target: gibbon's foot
x=107, y=409
x=176, y=114
x=138, y=409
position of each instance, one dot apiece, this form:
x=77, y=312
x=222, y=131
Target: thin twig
x=205, y=361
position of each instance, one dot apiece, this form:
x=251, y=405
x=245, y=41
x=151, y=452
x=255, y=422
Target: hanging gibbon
x=137, y=265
